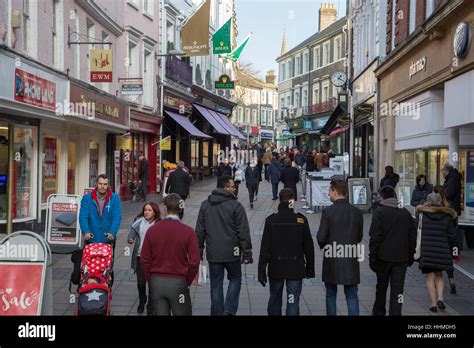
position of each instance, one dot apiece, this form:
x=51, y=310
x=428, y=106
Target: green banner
x=235, y=54
x=221, y=39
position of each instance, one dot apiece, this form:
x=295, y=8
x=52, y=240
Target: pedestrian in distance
x=310, y=167
x=288, y=251
x=452, y=186
x=143, y=175
x=392, y=246
x=178, y=182
x=421, y=191
x=170, y=261
x=224, y=169
x=100, y=215
x=260, y=169
x=290, y=176
x=223, y=231
x=267, y=160
x=390, y=179
x=251, y=179
x=438, y=242
x=237, y=176
x=149, y=215
x=274, y=172
x=341, y=228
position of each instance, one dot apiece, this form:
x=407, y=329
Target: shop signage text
x=224, y=82
x=132, y=86
x=101, y=65
x=34, y=90
x=100, y=108
x=416, y=67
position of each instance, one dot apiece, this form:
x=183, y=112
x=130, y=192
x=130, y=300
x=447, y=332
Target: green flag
x=221, y=39
x=235, y=54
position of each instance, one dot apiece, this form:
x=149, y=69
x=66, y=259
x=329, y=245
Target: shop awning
x=227, y=124
x=339, y=111
x=187, y=125
x=217, y=124
x=339, y=130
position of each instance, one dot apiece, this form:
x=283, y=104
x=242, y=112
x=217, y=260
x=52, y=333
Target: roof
x=337, y=25
x=252, y=80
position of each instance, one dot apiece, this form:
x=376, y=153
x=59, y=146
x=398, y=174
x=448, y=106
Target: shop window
x=194, y=153
x=205, y=154
x=93, y=163
x=216, y=148
x=3, y=170
x=50, y=168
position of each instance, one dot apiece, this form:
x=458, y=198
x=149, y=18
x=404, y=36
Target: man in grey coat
x=223, y=229
x=339, y=235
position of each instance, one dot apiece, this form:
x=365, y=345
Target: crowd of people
x=167, y=253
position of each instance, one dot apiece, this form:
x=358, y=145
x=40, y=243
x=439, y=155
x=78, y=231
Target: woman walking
x=438, y=238
x=251, y=179
x=148, y=217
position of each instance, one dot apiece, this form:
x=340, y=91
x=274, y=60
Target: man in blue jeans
x=223, y=229
x=287, y=248
x=339, y=235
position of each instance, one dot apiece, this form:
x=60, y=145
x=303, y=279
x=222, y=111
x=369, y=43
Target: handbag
x=418, y=238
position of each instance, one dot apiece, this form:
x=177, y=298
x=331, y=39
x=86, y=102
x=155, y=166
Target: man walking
x=287, y=248
x=101, y=213
x=143, y=175
x=341, y=228
x=452, y=186
x=170, y=261
x=178, y=182
x=392, y=246
x=222, y=228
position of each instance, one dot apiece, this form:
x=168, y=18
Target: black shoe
x=141, y=308
x=274, y=198
x=251, y=205
x=433, y=309
x=149, y=311
x=441, y=305
x=453, y=288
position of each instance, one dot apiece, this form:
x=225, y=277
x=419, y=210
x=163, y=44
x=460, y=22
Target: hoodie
x=222, y=228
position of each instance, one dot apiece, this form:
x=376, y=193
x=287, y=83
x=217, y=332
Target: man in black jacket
x=287, y=248
x=223, y=229
x=392, y=246
x=143, y=175
x=178, y=182
x=452, y=186
x=340, y=232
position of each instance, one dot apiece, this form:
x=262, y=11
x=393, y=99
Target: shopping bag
x=418, y=238
x=201, y=277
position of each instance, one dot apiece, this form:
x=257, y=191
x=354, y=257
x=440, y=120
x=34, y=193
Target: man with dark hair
x=223, y=229
x=178, y=182
x=392, y=246
x=287, y=248
x=100, y=215
x=452, y=186
x=170, y=261
x=342, y=227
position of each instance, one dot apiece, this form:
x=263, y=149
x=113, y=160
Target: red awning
x=339, y=131
x=255, y=130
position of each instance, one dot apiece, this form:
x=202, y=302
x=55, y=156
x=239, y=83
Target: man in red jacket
x=170, y=260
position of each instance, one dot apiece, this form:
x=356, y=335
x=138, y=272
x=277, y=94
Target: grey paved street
x=253, y=297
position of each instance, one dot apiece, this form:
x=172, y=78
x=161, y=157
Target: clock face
x=339, y=78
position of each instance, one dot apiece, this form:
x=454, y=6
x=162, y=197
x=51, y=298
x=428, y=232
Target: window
x=316, y=93
x=170, y=36
x=93, y=163
x=326, y=53
x=254, y=117
x=305, y=62
x=50, y=168
x=194, y=153
x=133, y=57
x=429, y=7
x=134, y=3
x=297, y=99
x=240, y=115
x=264, y=117
x=297, y=66
x=325, y=95
x=247, y=116
x=290, y=69
x=57, y=35
x=282, y=71
x=148, y=87
x=264, y=97
x=270, y=118
x=26, y=27
x=335, y=91
x=317, y=58
x=148, y=7
x=205, y=154
x=338, y=48
x=305, y=97
x=412, y=16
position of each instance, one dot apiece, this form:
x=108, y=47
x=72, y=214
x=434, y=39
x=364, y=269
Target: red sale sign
x=21, y=288
x=34, y=90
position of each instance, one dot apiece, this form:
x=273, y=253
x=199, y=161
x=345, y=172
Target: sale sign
x=34, y=90
x=49, y=168
x=21, y=288
x=101, y=65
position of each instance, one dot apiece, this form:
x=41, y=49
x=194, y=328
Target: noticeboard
x=359, y=193
x=62, y=220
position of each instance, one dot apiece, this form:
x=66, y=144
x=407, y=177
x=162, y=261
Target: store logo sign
x=461, y=40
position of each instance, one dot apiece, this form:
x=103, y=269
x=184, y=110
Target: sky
x=267, y=18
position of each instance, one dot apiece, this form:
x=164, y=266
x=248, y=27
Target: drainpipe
x=11, y=136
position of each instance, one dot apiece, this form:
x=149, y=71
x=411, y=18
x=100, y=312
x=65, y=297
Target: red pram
x=96, y=280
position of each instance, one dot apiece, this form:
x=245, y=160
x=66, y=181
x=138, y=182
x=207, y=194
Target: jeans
x=251, y=193
x=275, y=190
x=144, y=187
x=351, y=298
x=216, y=275
x=266, y=171
x=293, y=292
x=141, y=285
x=393, y=273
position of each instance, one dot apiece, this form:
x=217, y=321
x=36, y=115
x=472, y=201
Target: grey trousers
x=170, y=295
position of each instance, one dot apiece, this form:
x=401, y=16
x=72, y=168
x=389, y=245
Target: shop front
x=266, y=136
x=30, y=167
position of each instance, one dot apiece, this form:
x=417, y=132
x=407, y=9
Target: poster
x=62, y=224
x=49, y=168
x=469, y=189
x=359, y=193
x=318, y=192
x=21, y=288
x=337, y=164
x=34, y=90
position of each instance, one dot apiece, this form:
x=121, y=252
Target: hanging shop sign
x=131, y=86
x=224, y=82
x=100, y=64
x=165, y=143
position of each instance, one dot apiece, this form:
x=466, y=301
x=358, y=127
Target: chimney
x=270, y=77
x=327, y=15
